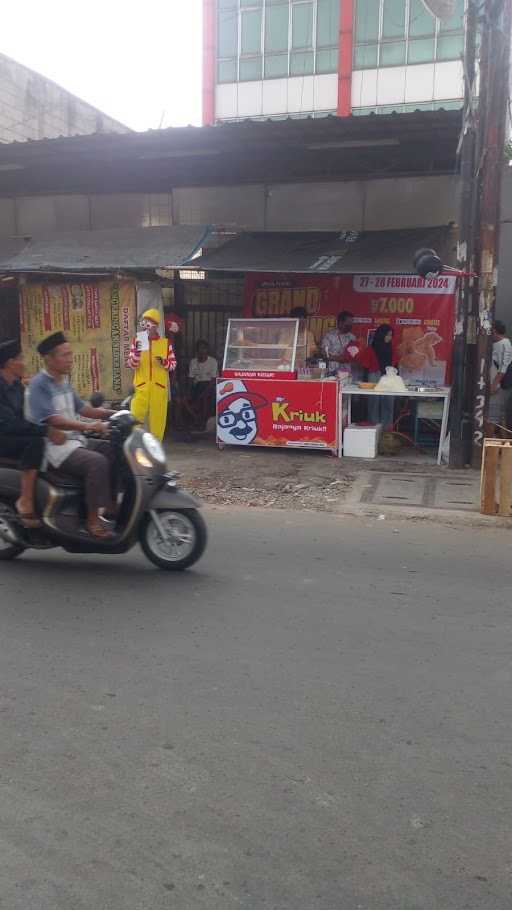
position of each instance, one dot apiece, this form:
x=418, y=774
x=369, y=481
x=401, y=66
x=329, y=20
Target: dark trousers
x=29, y=450
x=92, y=465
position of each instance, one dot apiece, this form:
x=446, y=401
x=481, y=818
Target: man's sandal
x=28, y=519
x=98, y=532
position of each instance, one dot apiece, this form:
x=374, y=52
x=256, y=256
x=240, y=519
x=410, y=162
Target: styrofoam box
x=361, y=442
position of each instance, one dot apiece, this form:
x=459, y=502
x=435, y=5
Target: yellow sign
x=98, y=319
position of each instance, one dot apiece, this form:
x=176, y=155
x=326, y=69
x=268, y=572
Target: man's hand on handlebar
x=99, y=428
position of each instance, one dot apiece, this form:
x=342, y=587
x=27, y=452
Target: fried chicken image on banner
x=417, y=348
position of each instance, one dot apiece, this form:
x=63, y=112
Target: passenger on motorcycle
x=52, y=402
x=20, y=439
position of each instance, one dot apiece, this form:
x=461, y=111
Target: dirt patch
x=269, y=477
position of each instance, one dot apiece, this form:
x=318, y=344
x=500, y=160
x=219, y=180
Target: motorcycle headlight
x=154, y=448
x=142, y=459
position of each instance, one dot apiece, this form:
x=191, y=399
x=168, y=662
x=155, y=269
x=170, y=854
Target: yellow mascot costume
x=151, y=381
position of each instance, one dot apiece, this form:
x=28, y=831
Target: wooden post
x=492, y=120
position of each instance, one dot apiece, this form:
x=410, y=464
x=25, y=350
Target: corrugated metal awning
x=340, y=253
x=122, y=249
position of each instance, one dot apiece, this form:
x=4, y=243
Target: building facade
x=33, y=107
x=281, y=58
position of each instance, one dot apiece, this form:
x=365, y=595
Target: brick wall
x=32, y=107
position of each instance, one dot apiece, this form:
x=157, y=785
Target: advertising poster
x=99, y=321
x=420, y=311
x=277, y=413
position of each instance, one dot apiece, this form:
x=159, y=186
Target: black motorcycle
x=153, y=510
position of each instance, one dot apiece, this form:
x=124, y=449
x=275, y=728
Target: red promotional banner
x=273, y=412
x=420, y=311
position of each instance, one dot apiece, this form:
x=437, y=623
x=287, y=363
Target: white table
x=442, y=393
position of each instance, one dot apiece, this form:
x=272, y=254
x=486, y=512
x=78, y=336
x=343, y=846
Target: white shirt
x=336, y=342
x=501, y=357
x=203, y=371
x=47, y=398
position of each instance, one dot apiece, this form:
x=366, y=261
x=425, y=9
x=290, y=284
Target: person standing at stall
x=375, y=359
x=336, y=344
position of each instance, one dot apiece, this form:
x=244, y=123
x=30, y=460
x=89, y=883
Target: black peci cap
x=9, y=350
x=49, y=344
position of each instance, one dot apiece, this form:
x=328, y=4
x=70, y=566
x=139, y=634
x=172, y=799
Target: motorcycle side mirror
x=427, y=263
x=97, y=400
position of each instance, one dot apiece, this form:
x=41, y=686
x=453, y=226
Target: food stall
x=268, y=395
x=367, y=275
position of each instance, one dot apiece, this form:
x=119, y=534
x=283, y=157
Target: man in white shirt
x=203, y=368
x=202, y=374
x=500, y=362
x=338, y=346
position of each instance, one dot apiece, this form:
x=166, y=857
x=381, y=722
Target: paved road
x=318, y=718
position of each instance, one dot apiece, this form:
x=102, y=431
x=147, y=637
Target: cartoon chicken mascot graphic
x=237, y=413
x=151, y=380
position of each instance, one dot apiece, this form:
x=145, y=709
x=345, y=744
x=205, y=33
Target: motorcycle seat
x=9, y=463
x=59, y=479
x=56, y=478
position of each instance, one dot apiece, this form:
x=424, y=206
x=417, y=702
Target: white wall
x=32, y=107
x=422, y=83
x=276, y=97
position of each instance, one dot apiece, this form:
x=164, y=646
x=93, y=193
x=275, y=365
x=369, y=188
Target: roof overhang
x=340, y=253
x=103, y=251
x=330, y=148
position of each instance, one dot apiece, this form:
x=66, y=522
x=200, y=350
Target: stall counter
x=277, y=412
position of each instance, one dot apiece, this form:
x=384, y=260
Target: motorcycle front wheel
x=183, y=541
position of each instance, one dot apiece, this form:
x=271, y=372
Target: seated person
x=202, y=372
x=307, y=338
x=19, y=438
x=52, y=402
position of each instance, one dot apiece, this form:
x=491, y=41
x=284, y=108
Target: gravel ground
x=279, y=480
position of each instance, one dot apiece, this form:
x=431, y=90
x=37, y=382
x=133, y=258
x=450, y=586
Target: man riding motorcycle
x=20, y=439
x=52, y=403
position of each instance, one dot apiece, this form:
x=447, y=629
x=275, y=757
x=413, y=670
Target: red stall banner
x=273, y=412
x=421, y=312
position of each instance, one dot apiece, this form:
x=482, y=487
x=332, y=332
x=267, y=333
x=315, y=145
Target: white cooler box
x=361, y=442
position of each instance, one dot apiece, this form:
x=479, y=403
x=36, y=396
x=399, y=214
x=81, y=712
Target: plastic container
x=361, y=442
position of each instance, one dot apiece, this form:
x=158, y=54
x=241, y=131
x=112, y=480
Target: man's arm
x=41, y=407
x=95, y=413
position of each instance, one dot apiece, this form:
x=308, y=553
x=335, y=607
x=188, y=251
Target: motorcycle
x=164, y=519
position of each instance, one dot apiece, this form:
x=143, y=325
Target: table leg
x=444, y=427
x=349, y=417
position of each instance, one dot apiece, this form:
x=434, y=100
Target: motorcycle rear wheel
x=8, y=550
x=185, y=542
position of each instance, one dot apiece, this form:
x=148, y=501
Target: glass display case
x=273, y=345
